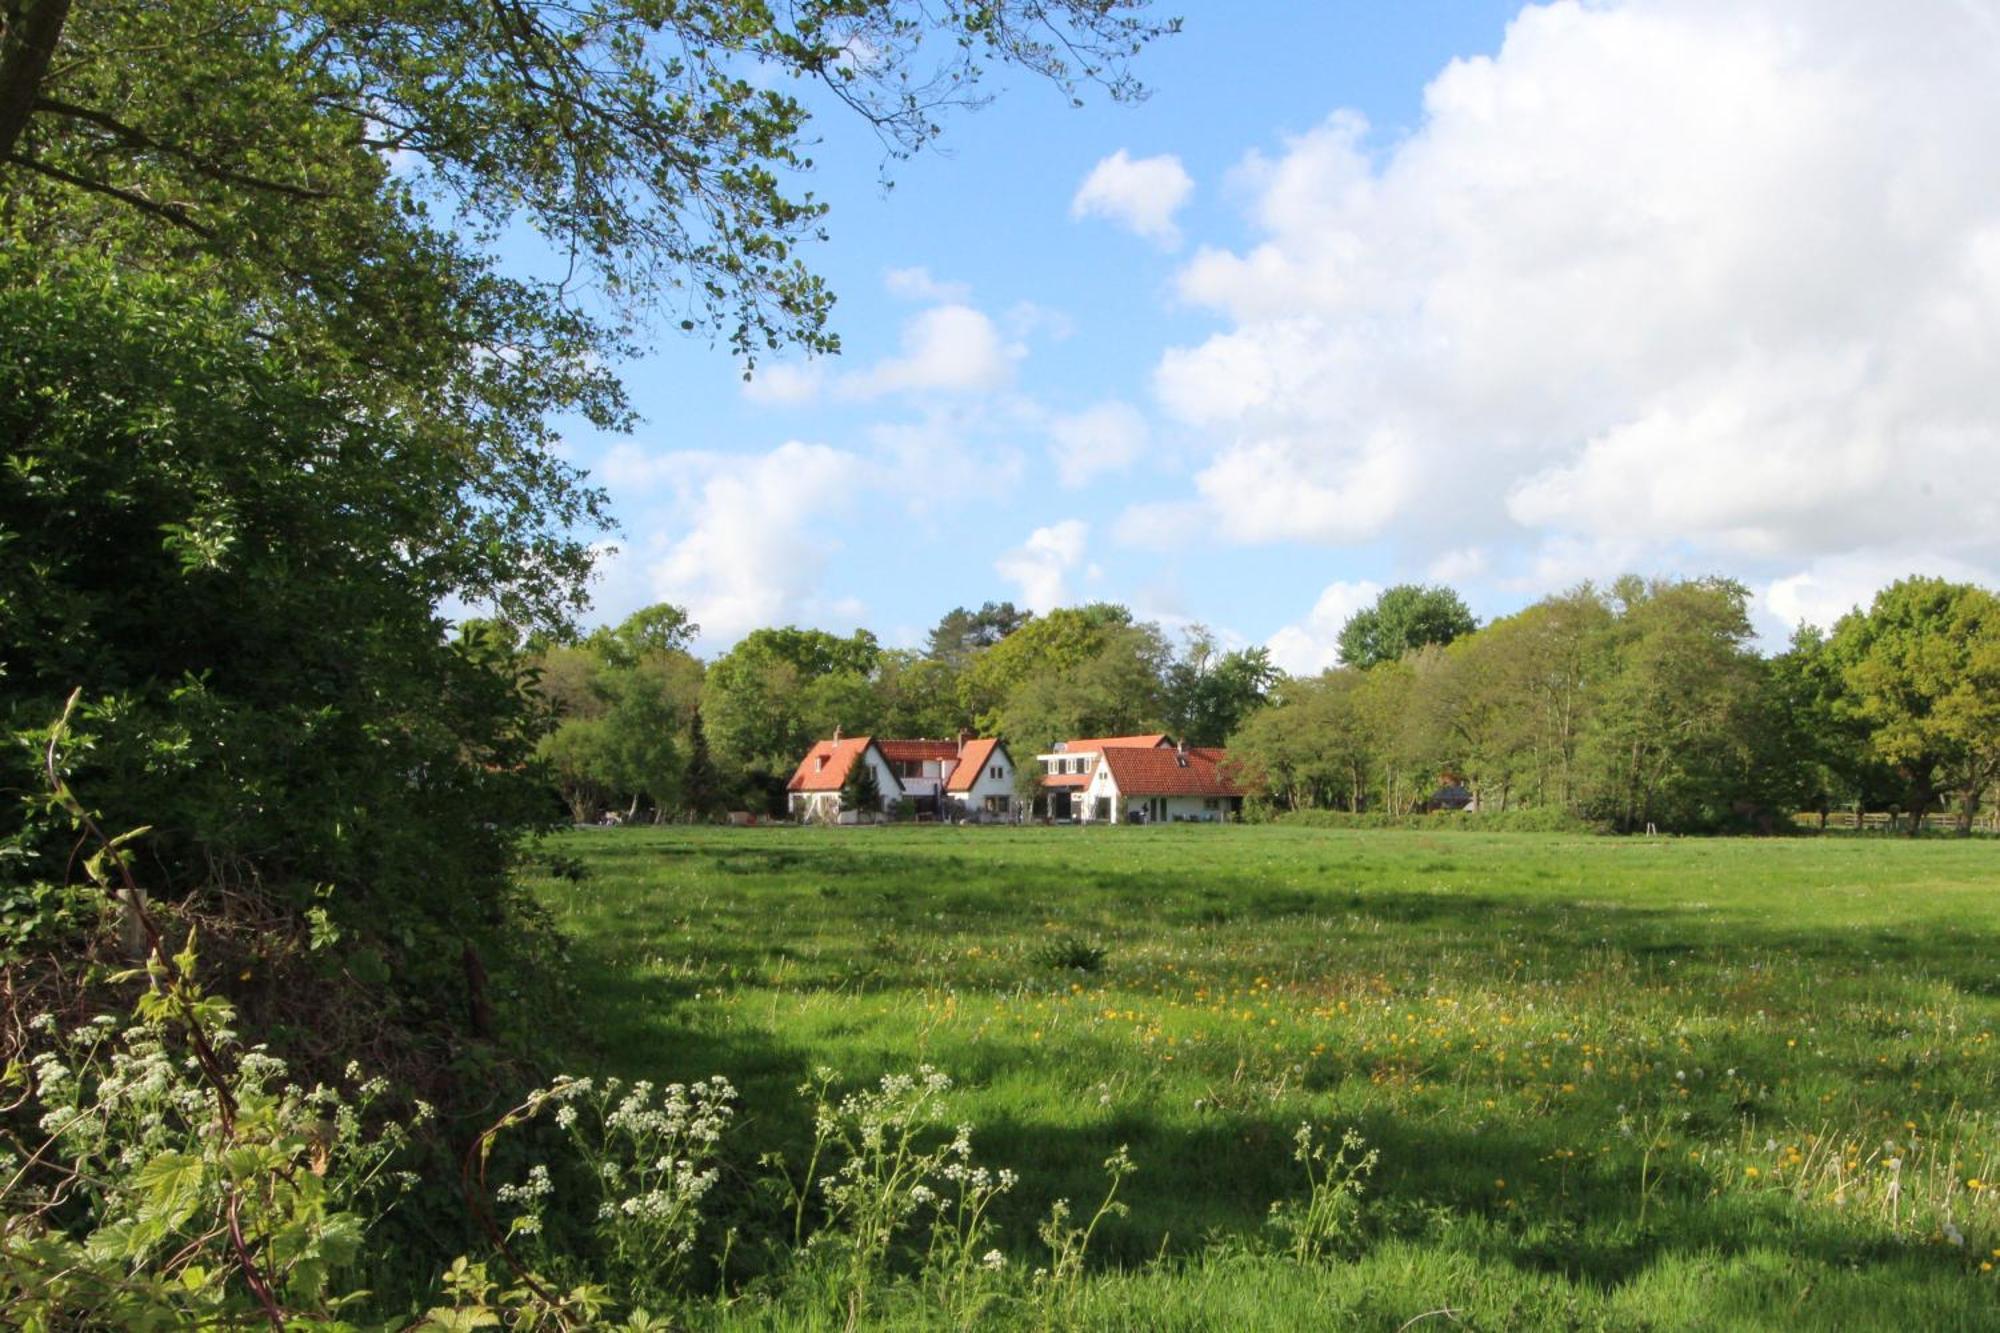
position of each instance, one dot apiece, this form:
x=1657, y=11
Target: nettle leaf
x=170, y=1184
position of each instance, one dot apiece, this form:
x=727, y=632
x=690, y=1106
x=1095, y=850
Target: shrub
x=1072, y=953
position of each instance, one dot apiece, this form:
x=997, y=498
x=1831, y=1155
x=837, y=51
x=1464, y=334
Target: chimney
x=1180, y=754
x=836, y=735
x=963, y=736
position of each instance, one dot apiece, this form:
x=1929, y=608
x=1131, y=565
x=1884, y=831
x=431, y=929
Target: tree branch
x=177, y=214
x=133, y=137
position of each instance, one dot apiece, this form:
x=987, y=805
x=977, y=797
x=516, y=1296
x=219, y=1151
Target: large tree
x=1404, y=618
x=1209, y=692
x=1920, y=671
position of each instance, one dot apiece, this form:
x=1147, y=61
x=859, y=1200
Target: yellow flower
x=1499, y=1184
x=1752, y=1172
x=1975, y=1184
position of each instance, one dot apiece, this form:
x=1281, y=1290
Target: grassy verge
x=1624, y=1082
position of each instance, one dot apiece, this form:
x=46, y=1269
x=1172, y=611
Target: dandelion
x=1751, y=1172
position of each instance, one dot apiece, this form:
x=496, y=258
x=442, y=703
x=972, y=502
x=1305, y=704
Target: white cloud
x=1830, y=587
x=1312, y=645
x=785, y=383
x=1041, y=565
x=1141, y=194
x=748, y=540
x=917, y=284
x=1707, y=282
x=1106, y=437
x=945, y=349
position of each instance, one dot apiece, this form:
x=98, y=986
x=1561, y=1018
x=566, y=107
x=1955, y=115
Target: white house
x=814, y=789
x=968, y=777
x=982, y=782
x=1068, y=769
x=1161, y=785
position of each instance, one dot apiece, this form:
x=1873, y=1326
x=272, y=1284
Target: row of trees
x=1646, y=703
x=1634, y=704
x=641, y=725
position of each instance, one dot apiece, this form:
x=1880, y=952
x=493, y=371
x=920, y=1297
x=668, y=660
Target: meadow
x=1603, y=1082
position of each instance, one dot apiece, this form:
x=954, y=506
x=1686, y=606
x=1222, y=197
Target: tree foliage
x=1920, y=672
x=1404, y=618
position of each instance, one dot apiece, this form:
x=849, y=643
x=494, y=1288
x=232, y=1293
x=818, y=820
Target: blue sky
x=1365, y=293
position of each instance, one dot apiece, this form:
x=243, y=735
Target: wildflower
x=994, y=1261
x=1975, y=1184
x=1751, y=1172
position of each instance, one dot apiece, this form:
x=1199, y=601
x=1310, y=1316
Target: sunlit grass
x=1694, y=1081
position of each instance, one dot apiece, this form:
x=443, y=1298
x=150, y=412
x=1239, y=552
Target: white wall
x=986, y=784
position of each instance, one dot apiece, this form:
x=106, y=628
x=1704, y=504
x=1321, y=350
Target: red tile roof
x=912, y=751
x=1161, y=772
x=811, y=775
x=971, y=763
x=1065, y=780
x=1097, y=743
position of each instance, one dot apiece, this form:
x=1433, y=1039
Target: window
x=996, y=772
x=1211, y=804
x=819, y=765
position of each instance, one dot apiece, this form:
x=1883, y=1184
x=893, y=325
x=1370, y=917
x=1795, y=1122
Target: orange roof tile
x=912, y=751
x=1097, y=743
x=977, y=755
x=839, y=756
x=1163, y=772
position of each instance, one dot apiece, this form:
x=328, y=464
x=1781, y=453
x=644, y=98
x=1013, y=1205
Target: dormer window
x=819, y=765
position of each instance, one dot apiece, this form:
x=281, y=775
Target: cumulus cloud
x=1832, y=586
x=1312, y=645
x=751, y=535
x=1106, y=437
x=1041, y=566
x=1140, y=194
x=1710, y=281
x=945, y=349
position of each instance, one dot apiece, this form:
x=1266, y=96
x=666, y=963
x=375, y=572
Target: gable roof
x=972, y=762
x=1096, y=743
x=811, y=775
x=1167, y=772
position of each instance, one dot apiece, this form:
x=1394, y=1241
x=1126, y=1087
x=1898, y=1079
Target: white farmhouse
x=814, y=789
x=1068, y=769
x=966, y=778
x=982, y=782
x=1162, y=785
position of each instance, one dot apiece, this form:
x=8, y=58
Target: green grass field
x=1612, y=1082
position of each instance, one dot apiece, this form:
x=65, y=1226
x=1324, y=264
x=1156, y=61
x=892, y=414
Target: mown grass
x=1613, y=1082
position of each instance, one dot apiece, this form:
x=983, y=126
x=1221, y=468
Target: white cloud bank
x=1712, y=284
x=1041, y=566
x=1140, y=194
x=752, y=536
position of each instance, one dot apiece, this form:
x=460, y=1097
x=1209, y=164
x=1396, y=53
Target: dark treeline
x=1639, y=703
